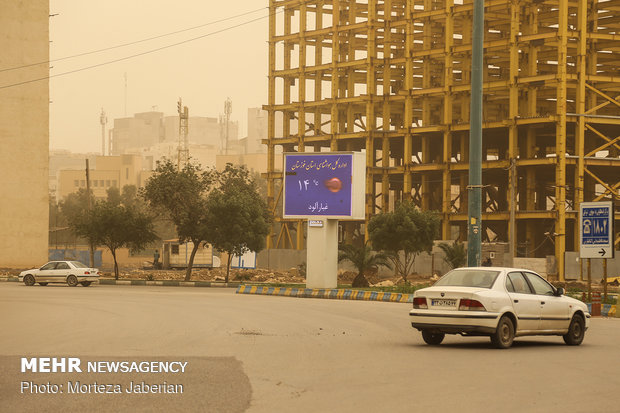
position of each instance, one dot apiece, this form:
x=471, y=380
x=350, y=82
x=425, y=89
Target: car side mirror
x=559, y=291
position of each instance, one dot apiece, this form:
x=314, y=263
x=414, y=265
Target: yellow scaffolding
x=392, y=77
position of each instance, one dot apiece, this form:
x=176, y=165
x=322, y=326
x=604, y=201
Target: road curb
x=607, y=310
x=161, y=283
x=169, y=283
x=9, y=279
x=335, y=294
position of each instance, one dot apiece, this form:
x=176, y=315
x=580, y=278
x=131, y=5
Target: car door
x=554, y=310
x=46, y=272
x=525, y=304
x=61, y=271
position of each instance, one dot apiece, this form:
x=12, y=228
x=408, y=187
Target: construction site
x=392, y=78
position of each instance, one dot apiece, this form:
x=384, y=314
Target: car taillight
x=471, y=305
x=420, y=303
x=86, y=272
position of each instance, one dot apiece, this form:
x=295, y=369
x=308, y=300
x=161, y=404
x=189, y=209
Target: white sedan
x=502, y=303
x=70, y=272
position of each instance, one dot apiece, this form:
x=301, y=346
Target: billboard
x=324, y=184
x=596, y=230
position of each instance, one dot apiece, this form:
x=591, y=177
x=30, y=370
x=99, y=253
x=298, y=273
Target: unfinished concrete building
x=392, y=77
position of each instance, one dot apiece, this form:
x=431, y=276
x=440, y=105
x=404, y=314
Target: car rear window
x=468, y=278
x=78, y=264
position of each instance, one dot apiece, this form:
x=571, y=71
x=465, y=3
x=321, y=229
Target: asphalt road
x=272, y=354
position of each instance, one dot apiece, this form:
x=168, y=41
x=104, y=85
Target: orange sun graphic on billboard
x=333, y=184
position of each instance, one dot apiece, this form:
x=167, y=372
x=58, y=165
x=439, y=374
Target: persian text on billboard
x=318, y=185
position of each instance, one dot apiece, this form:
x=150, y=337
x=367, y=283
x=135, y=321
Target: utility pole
x=227, y=112
x=103, y=120
x=91, y=247
x=604, y=279
x=474, y=222
x=125, y=94
x=183, y=151
x=513, y=206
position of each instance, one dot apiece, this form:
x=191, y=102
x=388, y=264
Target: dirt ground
x=292, y=276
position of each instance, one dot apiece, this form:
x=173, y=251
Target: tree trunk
x=360, y=281
x=398, y=266
x=229, y=260
x=190, y=264
x=115, y=264
x=91, y=255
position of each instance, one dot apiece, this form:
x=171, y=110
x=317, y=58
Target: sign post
x=324, y=187
x=596, y=230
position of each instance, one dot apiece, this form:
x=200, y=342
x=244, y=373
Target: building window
x=174, y=249
x=76, y=182
x=107, y=183
x=95, y=183
x=82, y=182
x=101, y=183
x=114, y=182
x=126, y=173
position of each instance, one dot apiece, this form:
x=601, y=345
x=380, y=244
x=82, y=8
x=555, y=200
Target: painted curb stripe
x=334, y=293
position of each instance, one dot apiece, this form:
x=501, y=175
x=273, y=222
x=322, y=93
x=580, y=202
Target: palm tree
x=455, y=254
x=363, y=259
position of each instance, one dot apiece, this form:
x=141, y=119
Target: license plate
x=443, y=303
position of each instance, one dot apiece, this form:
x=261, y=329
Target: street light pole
x=475, y=140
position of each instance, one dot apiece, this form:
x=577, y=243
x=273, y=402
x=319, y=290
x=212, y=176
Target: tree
x=116, y=226
x=75, y=210
x=181, y=195
x=455, y=254
x=406, y=229
x=237, y=216
x=363, y=259
x=113, y=195
x=75, y=203
x=129, y=196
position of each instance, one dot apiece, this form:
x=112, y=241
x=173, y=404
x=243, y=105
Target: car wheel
x=576, y=331
x=29, y=280
x=43, y=284
x=432, y=338
x=72, y=281
x=86, y=283
x=505, y=333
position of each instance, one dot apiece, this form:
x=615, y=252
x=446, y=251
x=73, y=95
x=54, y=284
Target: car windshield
x=468, y=278
x=78, y=264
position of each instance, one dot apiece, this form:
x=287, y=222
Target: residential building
x=24, y=133
x=107, y=172
x=63, y=159
x=142, y=130
x=149, y=129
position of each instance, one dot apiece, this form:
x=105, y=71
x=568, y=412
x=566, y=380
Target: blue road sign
x=596, y=230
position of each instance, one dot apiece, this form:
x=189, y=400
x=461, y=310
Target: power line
x=132, y=43
x=135, y=55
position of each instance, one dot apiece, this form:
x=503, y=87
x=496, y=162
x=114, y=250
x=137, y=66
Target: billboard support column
x=323, y=188
x=322, y=254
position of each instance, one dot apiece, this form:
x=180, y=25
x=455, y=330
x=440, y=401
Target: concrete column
x=322, y=254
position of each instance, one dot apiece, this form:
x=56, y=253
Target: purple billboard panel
x=318, y=184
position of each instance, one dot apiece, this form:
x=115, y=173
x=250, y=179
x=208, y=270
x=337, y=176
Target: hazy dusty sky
x=203, y=72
